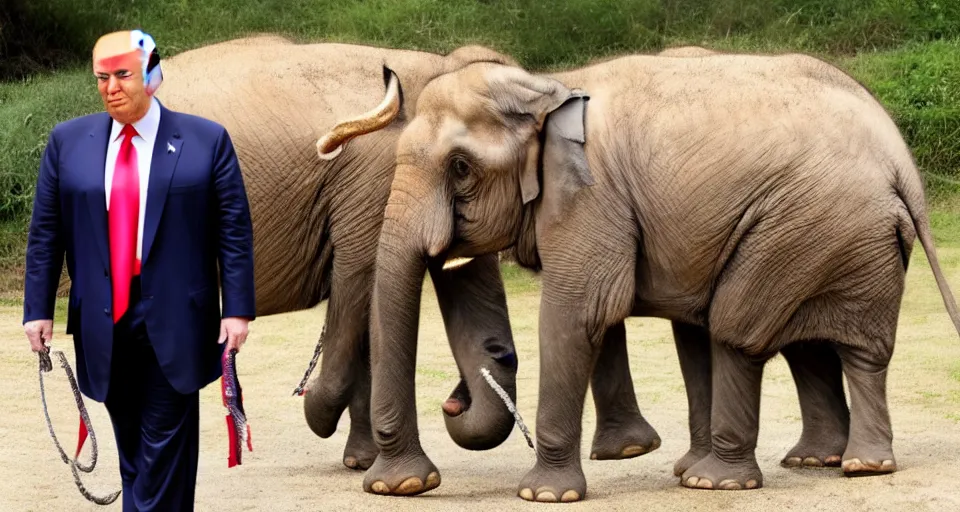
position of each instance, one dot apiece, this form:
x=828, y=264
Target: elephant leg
x=361, y=450
x=329, y=395
x=735, y=414
x=567, y=357
x=473, y=304
x=622, y=432
x=823, y=405
x=869, y=450
x=693, y=351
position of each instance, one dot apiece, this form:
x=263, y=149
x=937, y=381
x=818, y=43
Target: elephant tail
x=910, y=189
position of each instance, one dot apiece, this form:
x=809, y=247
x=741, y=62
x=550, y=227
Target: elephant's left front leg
x=567, y=356
x=622, y=432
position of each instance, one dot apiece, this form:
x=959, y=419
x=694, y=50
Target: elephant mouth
x=459, y=400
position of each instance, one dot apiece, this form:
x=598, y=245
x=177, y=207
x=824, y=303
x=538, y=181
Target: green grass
x=907, y=52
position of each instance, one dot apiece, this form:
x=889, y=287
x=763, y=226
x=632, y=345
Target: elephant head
x=471, y=163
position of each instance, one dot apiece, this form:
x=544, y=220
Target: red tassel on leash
x=237, y=429
x=81, y=438
x=233, y=457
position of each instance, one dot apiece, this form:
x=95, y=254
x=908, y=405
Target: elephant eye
x=459, y=167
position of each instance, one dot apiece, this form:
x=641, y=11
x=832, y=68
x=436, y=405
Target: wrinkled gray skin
x=816, y=370
x=767, y=204
x=316, y=222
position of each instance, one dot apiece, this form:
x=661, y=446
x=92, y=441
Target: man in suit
x=148, y=205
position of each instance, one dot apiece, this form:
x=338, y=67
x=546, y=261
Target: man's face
x=119, y=74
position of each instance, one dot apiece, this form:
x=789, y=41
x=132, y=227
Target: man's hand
x=40, y=331
x=233, y=330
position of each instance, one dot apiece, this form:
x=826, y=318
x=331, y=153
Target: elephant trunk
x=474, y=308
x=395, y=308
x=416, y=233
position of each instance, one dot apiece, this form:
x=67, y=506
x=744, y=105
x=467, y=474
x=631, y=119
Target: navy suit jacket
x=197, y=239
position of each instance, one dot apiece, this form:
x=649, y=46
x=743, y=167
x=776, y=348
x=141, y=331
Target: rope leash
x=502, y=393
x=86, y=428
x=313, y=362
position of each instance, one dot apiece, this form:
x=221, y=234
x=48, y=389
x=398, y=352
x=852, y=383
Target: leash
x=237, y=428
x=502, y=393
x=86, y=427
x=313, y=362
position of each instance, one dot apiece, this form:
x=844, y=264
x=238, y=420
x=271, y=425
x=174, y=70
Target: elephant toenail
x=526, y=494
x=792, y=462
x=632, y=450
x=350, y=462
x=692, y=481
x=547, y=497
x=812, y=462
x=433, y=480
x=729, y=485
x=412, y=484
x=569, y=496
x=704, y=484
x=751, y=484
x=380, y=487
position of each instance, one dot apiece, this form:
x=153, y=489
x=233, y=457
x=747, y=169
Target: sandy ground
x=292, y=469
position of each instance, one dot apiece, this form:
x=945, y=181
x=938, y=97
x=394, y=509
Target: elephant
x=763, y=204
x=316, y=222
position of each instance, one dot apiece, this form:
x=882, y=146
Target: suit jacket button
x=106, y=311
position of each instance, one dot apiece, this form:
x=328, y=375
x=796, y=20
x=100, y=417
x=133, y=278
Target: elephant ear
x=529, y=100
x=564, y=160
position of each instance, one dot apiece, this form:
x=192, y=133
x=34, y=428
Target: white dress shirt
x=146, y=128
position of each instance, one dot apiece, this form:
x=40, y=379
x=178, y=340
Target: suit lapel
x=97, y=198
x=166, y=153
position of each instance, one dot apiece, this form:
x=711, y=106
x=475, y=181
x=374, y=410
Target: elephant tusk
x=456, y=262
x=332, y=142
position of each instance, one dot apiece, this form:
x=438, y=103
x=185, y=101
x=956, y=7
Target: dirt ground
x=292, y=469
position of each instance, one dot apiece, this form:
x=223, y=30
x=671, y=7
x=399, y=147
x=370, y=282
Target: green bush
x=920, y=87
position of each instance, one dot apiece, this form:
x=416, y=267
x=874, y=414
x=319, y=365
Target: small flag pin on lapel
x=170, y=148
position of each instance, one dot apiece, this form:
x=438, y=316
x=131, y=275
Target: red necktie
x=124, y=219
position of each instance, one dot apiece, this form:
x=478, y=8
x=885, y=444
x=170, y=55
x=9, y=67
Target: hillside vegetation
x=906, y=51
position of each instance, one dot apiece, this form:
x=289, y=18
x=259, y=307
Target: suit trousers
x=157, y=429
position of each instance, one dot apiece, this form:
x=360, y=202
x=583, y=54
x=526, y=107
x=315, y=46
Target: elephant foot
x=553, y=484
x=407, y=474
x=866, y=466
x=323, y=410
x=360, y=451
x=823, y=451
x=624, y=440
x=693, y=456
x=860, y=461
x=713, y=473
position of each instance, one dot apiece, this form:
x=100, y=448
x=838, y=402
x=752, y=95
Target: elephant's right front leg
x=567, y=357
